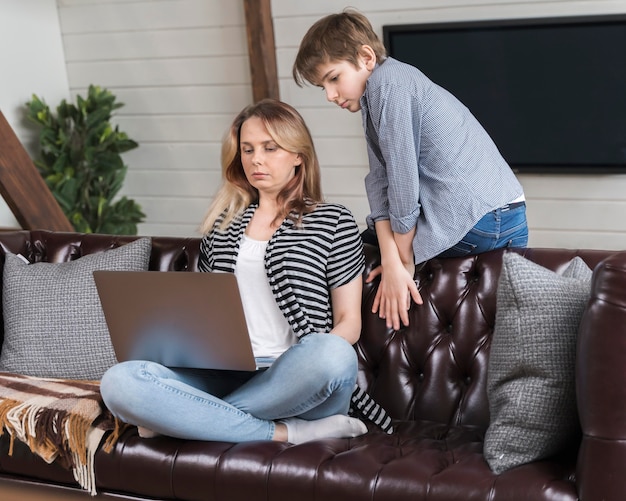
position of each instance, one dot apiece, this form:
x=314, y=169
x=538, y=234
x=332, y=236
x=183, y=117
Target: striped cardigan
x=303, y=263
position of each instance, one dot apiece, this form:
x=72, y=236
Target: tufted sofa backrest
x=168, y=253
x=436, y=369
x=433, y=370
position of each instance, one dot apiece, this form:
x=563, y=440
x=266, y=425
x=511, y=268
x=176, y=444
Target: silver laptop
x=178, y=319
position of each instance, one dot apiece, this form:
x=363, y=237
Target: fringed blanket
x=63, y=420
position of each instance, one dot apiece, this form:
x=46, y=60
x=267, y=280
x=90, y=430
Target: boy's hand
x=393, y=297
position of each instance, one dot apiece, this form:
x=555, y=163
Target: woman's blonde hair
x=289, y=131
x=337, y=37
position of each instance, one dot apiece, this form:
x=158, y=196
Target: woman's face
x=267, y=166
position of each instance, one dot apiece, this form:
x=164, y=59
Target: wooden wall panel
x=23, y=188
x=289, y=8
x=174, y=128
x=181, y=68
x=183, y=100
x=180, y=98
x=89, y=16
x=556, y=203
x=160, y=72
x=261, y=49
x=191, y=42
x=174, y=184
x=174, y=157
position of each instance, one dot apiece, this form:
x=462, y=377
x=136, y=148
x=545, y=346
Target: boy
x=437, y=185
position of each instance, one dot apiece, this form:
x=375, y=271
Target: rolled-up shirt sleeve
x=392, y=128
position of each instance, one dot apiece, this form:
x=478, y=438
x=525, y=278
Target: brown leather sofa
x=431, y=377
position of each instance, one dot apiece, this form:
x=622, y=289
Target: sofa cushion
x=577, y=268
x=53, y=322
x=530, y=380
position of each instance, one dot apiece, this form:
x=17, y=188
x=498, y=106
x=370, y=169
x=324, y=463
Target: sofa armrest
x=601, y=385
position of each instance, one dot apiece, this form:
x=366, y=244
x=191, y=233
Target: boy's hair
x=337, y=37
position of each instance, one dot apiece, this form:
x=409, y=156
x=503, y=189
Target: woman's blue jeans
x=503, y=227
x=314, y=378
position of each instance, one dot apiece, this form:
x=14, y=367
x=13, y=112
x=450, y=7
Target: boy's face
x=344, y=83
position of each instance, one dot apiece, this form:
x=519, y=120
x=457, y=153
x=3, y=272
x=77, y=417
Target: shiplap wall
x=563, y=211
x=30, y=47
x=181, y=68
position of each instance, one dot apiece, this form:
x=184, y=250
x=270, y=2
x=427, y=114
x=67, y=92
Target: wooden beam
x=261, y=49
x=23, y=188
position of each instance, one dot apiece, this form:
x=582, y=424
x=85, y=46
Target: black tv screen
x=550, y=92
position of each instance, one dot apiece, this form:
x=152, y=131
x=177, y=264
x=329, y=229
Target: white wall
x=31, y=62
x=572, y=211
x=181, y=68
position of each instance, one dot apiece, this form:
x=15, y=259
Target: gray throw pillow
x=577, y=268
x=530, y=379
x=53, y=321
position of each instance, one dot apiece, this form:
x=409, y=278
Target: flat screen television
x=551, y=92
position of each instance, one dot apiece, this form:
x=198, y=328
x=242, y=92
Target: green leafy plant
x=81, y=162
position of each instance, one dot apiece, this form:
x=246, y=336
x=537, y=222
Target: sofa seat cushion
x=422, y=460
x=23, y=463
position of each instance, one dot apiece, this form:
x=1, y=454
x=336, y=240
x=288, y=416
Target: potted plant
x=81, y=162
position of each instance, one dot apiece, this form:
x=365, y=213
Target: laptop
x=178, y=319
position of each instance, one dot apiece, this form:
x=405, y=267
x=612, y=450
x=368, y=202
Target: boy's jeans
x=313, y=379
x=502, y=227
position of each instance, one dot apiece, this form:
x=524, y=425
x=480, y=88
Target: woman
x=298, y=263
